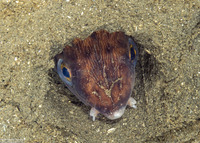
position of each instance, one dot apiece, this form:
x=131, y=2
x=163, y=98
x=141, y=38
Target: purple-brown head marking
x=100, y=70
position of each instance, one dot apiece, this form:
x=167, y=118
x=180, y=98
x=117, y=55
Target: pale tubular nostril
x=132, y=102
x=93, y=113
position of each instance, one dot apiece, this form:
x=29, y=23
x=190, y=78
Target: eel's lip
x=116, y=114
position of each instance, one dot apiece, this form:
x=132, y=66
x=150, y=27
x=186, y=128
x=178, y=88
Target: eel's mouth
x=116, y=114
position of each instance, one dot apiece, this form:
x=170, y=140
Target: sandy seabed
x=36, y=107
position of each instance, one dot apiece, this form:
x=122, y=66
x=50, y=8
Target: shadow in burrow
x=147, y=73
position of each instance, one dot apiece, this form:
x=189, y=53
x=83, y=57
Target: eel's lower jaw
x=115, y=115
x=118, y=113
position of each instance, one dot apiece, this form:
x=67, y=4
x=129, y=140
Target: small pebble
x=111, y=130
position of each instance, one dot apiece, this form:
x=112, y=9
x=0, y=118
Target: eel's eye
x=64, y=72
x=133, y=51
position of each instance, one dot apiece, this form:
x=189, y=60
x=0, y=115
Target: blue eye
x=133, y=52
x=64, y=72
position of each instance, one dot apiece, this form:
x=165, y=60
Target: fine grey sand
x=35, y=106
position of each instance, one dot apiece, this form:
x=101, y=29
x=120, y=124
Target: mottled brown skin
x=102, y=73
